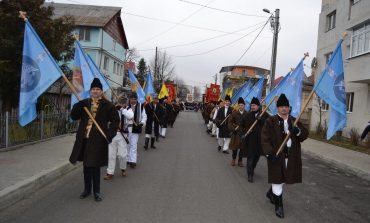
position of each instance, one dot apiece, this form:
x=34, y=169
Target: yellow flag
x=163, y=93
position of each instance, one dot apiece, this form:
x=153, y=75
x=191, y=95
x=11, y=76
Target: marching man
x=222, y=120
x=285, y=167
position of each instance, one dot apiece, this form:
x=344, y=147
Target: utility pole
x=216, y=78
x=275, y=25
x=155, y=65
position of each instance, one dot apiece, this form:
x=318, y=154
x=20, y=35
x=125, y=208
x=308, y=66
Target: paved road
x=187, y=180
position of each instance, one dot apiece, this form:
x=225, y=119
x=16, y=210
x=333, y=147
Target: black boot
x=270, y=196
x=152, y=143
x=146, y=143
x=279, y=210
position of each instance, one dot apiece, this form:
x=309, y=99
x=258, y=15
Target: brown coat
x=252, y=143
x=94, y=150
x=272, y=136
x=235, y=123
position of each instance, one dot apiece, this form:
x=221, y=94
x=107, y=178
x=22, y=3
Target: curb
x=340, y=165
x=23, y=189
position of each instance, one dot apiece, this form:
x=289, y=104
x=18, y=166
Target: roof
x=86, y=15
x=230, y=68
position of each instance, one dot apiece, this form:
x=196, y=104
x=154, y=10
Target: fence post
x=42, y=124
x=6, y=129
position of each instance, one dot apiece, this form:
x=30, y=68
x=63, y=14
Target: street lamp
x=275, y=25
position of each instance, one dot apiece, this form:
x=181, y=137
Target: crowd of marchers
x=255, y=133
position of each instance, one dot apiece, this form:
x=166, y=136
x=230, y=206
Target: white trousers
x=133, y=138
x=214, y=129
x=152, y=135
x=224, y=142
x=209, y=125
x=277, y=189
x=117, y=148
x=164, y=132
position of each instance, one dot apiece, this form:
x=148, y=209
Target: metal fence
x=46, y=125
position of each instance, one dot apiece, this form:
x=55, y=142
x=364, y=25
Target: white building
x=353, y=17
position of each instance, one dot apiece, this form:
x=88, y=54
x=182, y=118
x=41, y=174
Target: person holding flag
x=90, y=146
x=135, y=125
x=286, y=167
x=252, y=148
x=222, y=120
x=154, y=114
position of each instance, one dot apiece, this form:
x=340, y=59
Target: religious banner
x=213, y=93
x=171, y=88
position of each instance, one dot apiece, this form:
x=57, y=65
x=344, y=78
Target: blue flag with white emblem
x=149, y=88
x=39, y=71
x=256, y=92
x=330, y=88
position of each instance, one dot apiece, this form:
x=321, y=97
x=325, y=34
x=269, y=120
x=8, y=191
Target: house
x=102, y=36
x=236, y=75
x=353, y=17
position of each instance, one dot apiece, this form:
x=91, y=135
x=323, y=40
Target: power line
x=169, y=29
x=222, y=10
x=252, y=42
x=180, y=24
x=204, y=40
x=227, y=44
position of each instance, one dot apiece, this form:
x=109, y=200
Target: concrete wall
x=356, y=69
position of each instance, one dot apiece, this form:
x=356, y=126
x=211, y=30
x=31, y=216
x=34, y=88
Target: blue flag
x=255, y=92
x=292, y=88
x=330, y=88
x=82, y=74
x=135, y=87
x=96, y=72
x=39, y=71
x=241, y=91
x=274, y=92
x=149, y=88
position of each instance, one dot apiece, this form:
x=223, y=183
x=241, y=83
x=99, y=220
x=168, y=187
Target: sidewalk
x=28, y=168
x=348, y=160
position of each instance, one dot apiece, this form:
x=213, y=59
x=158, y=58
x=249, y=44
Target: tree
x=196, y=93
x=141, y=67
x=131, y=55
x=182, y=89
x=163, y=67
x=55, y=33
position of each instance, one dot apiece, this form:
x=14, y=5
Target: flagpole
x=22, y=15
x=260, y=115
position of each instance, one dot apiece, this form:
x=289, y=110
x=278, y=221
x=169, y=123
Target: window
x=349, y=101
x=106, y=63
x=121, y=70
x=84, y=34
x=324, y=105
x=327, y=57
x=360, y=42
x=114, y=67
x=330, y=21
x=114, y=45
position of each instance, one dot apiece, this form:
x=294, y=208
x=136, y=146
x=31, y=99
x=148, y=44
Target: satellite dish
x=314, y=63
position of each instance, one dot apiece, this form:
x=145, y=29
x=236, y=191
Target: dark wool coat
x=235, y=121
x=223, y=130
x=252, y=143
x=151, y=118
x=272, y=136
x=94, y=150
x=171, y=113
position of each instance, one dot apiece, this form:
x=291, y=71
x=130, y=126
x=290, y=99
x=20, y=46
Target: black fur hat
x=255, y=101
x=282, y=101
x=227, y=97
x=241, y=101
x=96, y=83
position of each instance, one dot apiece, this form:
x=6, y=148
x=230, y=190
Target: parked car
x=189, y=106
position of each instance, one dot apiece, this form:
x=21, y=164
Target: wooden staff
x=259, y=116
x=23, y=16
x=225, y=119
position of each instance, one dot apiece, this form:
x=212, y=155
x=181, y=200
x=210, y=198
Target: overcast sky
x=201, y=29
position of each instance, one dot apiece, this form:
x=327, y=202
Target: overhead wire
x=252, y=42
x=222, y=10
x=204, y=40
x=171, y=28
x=227, y=44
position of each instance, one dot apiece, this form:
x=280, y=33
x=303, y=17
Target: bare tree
x=163, y=67
x=196, y=93
x=131, y=55
x=182, y=89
